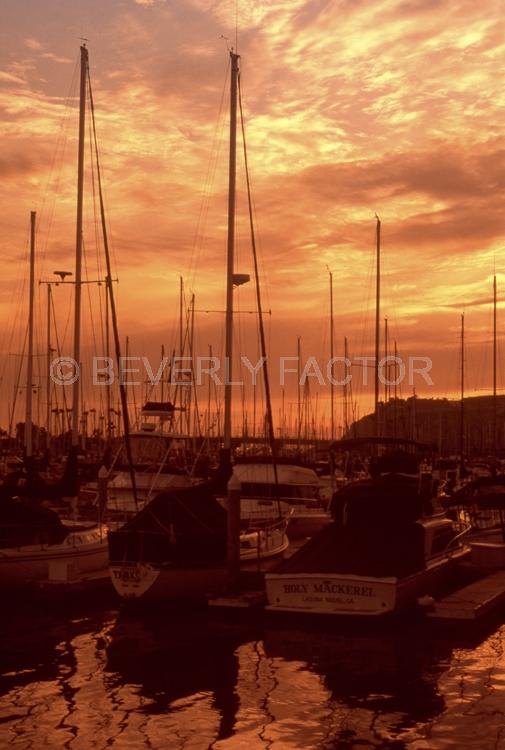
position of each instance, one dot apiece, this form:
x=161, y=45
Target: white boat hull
x=81, y=552
x=304, y=521
x=330, y=593
x=261, y=545
x=135, y=580
x=143, y=580
x=120, y=498
x=343, y=594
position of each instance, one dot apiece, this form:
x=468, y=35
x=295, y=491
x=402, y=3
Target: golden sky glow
x=352, y=107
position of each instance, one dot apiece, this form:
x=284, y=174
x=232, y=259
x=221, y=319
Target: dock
x=472, y=602
x=246, y=600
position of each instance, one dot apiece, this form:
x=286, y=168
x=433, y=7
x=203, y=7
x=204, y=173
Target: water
x=108, y=678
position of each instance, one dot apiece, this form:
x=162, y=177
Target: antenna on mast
x=226, y=39
x=236, y=25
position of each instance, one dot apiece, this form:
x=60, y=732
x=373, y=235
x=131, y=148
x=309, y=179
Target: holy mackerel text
x=328, y=588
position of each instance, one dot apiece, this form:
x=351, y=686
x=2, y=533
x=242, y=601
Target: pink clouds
x=352, y=107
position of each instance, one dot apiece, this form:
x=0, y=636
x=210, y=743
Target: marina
x=252, y=421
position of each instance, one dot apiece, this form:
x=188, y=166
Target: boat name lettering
x=296, y=588
x=327, y=587
x=126, y=575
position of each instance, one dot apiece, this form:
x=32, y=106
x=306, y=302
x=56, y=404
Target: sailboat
x=480, y=500
x=35, y=544
x=177, y=546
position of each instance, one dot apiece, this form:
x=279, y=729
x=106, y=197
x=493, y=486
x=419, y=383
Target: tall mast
x=190, y=393
x=266, y=378
x=29, y=367
x=178, y=390
x=49, y=352
x=162, y=378
x=108, y=393
x=377, y=325
x=209, y=394
x=346, y=407
x=494, y=367
x=181, y=316
x=386, y=344
x=462, y=404
x=332, y=387
x=122, y=410
x=395, y=413
x=298, y=391
x=78, y=244
x=230, y=249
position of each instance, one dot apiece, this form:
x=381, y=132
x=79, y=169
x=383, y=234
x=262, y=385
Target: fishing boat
x=296, y=496
x=389, y=544
x=156, y=460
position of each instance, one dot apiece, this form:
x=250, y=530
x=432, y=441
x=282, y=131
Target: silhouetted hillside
x=438, y=420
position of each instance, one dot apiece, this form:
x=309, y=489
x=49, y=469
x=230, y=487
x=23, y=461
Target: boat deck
x=472, y=602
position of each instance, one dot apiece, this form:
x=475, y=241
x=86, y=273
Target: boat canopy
x=263, y=473
x=182, y=527
x=23, y=523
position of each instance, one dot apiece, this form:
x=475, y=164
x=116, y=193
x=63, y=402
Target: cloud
x=352, y=107
x=33, y=44
x=21, y=162
x=445, y=173
x=10, y=78
x=55, y=58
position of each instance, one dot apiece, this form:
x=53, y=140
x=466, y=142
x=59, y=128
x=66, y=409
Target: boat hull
x=343, y=594
x=80, y=553
x=146, y=581
x=304, y=521
x=330, y=593
x=135, y=580
x=307, y=524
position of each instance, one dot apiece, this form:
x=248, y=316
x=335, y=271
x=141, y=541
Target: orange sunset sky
x=352, y=107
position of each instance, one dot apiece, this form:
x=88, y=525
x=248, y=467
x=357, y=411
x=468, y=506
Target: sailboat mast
x=78, y=243
x=395, y=413
x=462, y=404
x=332, y=386
x=377, y=325
x=494, y=367
x=230, y=249
x=49, y=352
x=29, y=367
x=386, y=344
x=346, y=406
x=298, y=387
x=122, y=410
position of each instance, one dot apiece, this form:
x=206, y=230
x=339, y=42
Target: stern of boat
x=330, y=594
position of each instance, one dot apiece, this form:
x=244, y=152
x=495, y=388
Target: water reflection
x=185, y=667
x=119, y=679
